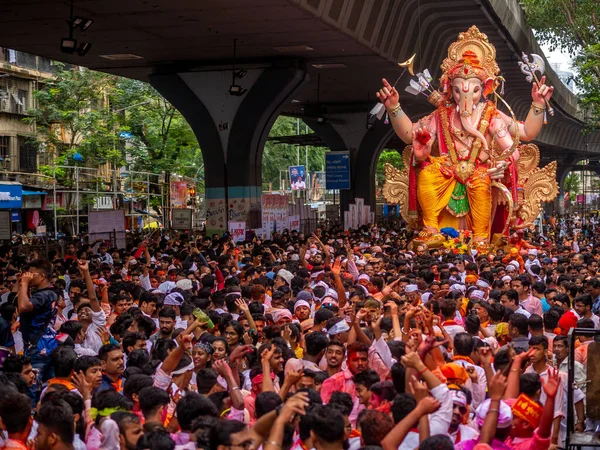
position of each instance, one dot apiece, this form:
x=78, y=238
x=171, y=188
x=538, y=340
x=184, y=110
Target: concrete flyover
x=318, y=59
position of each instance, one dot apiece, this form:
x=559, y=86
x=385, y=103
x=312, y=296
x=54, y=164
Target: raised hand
x=84, y=388
x=497, y=386
x=542, y=93
x=83, y=265
x=293, y=377
x=428, y=405
x=266, y=355
x=336, y=269
x=242, y=305
x=247, y=338
x=418, y=389
x=388, y=95
x=239, y=352
x=393, y=307
x=485, y=355
x=222, y=368
x=411, y=359
x=295, y=405
x=552, y=384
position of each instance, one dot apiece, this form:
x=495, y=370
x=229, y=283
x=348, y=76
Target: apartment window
x=23, y=103
x=4, y=146
x=27, y=155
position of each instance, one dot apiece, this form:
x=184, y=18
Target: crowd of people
x=343, y=339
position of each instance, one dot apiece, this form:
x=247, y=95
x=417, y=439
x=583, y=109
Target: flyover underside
x=289, y=49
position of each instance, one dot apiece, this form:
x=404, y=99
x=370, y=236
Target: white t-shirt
x=93, y=341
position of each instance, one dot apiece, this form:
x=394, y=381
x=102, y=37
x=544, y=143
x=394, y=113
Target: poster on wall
x=297, y=178
x=237, y=231
x=294, y=223
x=337, y=170
x=181, y=219
x=274, y=213
x=216, y=214
x=179, y=194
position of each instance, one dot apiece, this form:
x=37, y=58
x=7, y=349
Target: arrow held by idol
x=379, y=109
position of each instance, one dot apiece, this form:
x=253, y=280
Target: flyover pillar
x=349, y=132
x=231, y=130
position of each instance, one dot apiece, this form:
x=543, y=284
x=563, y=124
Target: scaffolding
x=76, y=190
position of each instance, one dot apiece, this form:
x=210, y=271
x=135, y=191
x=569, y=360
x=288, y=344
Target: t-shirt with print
x=34, y=322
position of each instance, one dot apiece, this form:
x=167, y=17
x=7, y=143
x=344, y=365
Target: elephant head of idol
x=466, y=84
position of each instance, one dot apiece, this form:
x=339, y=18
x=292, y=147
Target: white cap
x=477, y=294
x=532, y=251
x=458, y=287
x=426, y=296
x=482, y=284
x=364, y=276
x=411, y=288
x=506, y=278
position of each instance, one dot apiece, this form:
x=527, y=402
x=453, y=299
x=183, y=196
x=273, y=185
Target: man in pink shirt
x=531, y=304
x=358, y=361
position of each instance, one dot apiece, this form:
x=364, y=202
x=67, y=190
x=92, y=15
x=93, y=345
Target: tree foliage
x=278, y=157
x=574, y=26
x=161, y=139
x=391, y=156
x=71, y=116
x=572, y=184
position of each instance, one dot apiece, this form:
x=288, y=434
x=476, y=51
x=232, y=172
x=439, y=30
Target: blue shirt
x=34, y=322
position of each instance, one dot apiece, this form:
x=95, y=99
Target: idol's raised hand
x=388, y=95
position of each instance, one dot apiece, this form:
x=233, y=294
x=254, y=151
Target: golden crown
x=471, y=56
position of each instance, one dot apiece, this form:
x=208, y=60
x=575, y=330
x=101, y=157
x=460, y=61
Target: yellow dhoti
x=434, y=191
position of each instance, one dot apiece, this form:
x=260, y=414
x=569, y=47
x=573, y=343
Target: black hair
x=206, y=378
x=535, y=323
x=84, y=363
x=464, y=344
x=221, y=433
x=135, y=383
x=366, y=378
x=105, y=350
x=539, y=340
x=63, y=361
x=266, y=402
x=191, y=406
x=130, y=339
x=71, y=328
x=15, y=363
x=57, y=416
x=328, y=424
x=437, y=442
x=15, y=411
x=151, y=398
x=519, y=321
x=157, y=439
x=402, y=405
x=399, y=377
x=529, y=384
x=110, y=399
x=344, y=400
x=316, y=343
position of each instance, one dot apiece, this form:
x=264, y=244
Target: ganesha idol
x=465, y=167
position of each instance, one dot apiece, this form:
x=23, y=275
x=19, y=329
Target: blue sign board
x=337, y=170
x=11, y=196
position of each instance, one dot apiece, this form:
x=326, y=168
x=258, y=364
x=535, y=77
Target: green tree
x=161, y=139
x=572, y=185
x=573, y=26
x=72, y=115
x=391, y=156
x=278, y=157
